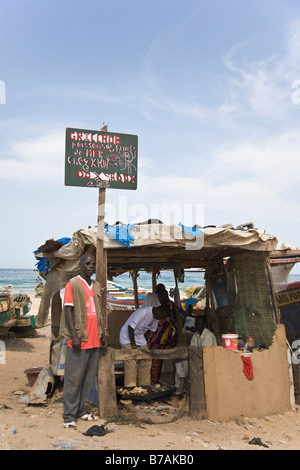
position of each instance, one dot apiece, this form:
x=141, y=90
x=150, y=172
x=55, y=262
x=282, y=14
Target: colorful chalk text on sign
x=101, y=159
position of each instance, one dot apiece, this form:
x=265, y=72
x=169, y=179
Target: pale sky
x=211, y=89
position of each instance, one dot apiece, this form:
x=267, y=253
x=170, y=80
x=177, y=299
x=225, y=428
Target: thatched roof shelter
x=146, y=246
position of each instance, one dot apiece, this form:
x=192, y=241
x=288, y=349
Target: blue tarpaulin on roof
x=120, y=233
x=191, y=230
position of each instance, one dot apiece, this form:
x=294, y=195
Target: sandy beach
x=154, y=426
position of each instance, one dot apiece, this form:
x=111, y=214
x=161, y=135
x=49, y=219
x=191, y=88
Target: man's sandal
x=88, y=417
x=71, y=425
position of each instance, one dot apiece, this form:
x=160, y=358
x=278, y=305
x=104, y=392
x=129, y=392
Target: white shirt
x=207, y=338
x=140, y=321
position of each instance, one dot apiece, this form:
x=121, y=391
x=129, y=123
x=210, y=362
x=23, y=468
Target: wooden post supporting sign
x=101, y=257
x=101, y=254
x=106, y=383
x=87, y=151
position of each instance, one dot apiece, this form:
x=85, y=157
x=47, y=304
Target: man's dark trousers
x=80, y=372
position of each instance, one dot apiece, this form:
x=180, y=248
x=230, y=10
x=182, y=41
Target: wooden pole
x=134, y=275
x=198, y=409
x=101, y=257
x=101, y=254
x=180, y=352
x=153, y=280
x=276, y=311
x=106, y=364
x=106, y=384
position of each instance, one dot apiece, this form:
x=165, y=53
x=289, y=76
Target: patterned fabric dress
x=167, y=335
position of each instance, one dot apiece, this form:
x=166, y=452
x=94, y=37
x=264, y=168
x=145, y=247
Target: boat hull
x=25, y=324
x=288, y=302
x=6, y=326
x=12, y=308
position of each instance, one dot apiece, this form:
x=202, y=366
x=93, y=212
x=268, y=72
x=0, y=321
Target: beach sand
x=40, y=427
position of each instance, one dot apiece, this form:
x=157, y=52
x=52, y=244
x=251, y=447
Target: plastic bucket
x=32, y=374
x=230, y=341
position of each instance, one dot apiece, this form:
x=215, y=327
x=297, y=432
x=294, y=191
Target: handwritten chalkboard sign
x=100, y=159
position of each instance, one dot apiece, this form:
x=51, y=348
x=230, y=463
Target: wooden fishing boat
x=123, y=303
x=7, y=325
x=4, y=302
x=288, y=302
x=7, y=319
x=25, y=325
x=39, y=289
x=195, y=296
x=119, y=297
x=12, y=308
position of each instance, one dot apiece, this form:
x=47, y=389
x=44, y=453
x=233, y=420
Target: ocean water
x=24, y=280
